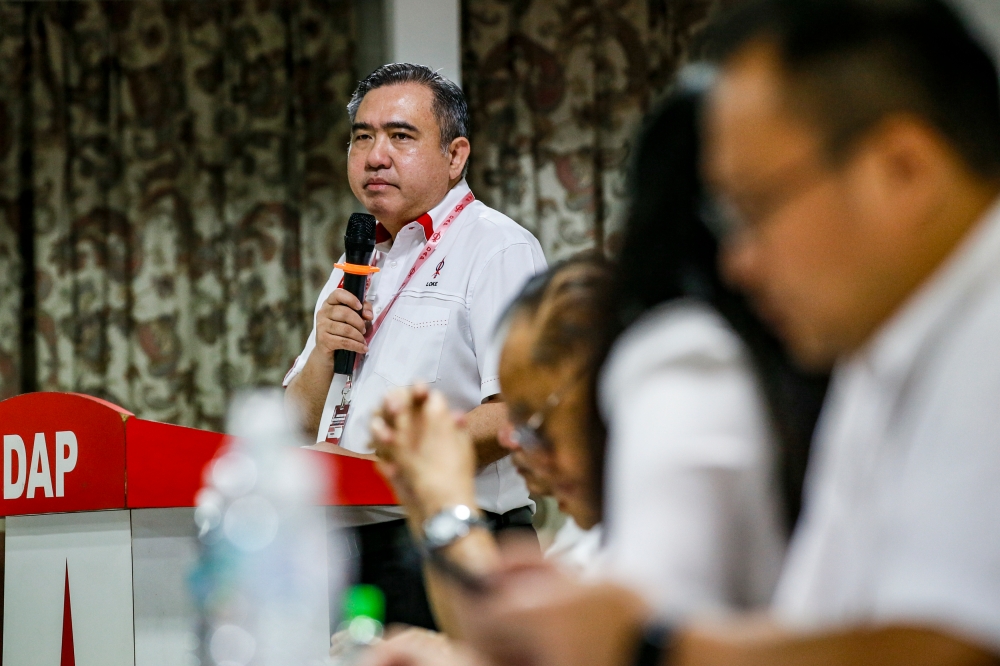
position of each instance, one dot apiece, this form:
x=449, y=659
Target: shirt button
x=392, y=264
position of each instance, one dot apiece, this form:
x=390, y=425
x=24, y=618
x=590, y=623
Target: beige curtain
x=183, y=164
x=172, y=172
x=557, y=90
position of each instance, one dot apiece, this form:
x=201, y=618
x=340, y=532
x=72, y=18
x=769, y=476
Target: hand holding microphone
x=339, y=326
x=340, y=323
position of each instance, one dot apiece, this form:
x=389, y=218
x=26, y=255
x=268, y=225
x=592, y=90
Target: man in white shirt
x=406, y=164
x=857, y=145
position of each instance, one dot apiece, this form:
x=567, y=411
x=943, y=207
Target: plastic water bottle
x=262, y=583
x=364, y=612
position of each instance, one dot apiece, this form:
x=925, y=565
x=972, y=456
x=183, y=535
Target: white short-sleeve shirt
x=901, y=521
x=440, y=329
x=691, y=519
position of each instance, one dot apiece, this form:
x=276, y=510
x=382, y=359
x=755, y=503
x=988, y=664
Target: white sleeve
x=941, y=561
x=691, y=519
x=501, y=279
x=300, y=360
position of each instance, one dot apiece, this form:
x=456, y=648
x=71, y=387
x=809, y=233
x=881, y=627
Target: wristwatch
x=449, y=525
x=655, y=645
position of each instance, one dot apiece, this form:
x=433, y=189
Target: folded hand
x=424, y=451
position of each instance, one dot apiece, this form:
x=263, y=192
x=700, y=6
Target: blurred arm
x=537, y=615
x=752, y=643
x=431, y=463
x=477, y=553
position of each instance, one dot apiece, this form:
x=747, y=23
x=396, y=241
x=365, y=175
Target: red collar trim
x=425, y=221
x=428, y=224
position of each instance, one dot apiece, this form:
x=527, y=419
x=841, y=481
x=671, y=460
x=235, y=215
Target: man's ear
x=910, y=166
x=458, y=154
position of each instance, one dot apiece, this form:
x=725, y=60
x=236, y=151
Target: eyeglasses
x=528, y=435
x=725, y=218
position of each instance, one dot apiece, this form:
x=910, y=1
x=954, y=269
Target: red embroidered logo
x=437, y=269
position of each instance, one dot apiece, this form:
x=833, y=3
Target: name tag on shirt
x=336, y=429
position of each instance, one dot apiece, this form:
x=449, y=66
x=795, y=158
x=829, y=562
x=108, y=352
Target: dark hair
x=669, y=253
x=450, y=107
x=571, y=298
x=851, y=63
x=572, y=312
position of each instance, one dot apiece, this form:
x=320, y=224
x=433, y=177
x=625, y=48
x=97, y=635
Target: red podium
x=100, y=530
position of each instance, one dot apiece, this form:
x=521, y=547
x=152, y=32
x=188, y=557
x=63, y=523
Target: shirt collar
x=430, y=220
x=897, y=345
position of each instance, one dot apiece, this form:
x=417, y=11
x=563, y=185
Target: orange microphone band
x=357, y=269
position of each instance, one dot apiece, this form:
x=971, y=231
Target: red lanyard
x=428, y=250
x=339, y=418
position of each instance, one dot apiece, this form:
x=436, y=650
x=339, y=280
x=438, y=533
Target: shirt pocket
x=414, y=340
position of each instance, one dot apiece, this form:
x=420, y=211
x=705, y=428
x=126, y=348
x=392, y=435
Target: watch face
x=444, y=528
x=451, y=524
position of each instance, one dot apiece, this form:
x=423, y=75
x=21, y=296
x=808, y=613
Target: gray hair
x=450, y=107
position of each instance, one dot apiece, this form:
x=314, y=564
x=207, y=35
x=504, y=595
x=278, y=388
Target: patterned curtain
x=172, y=194
x=558, y=89
x=172, y=172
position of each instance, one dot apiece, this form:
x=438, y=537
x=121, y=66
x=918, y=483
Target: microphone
x=359, y=244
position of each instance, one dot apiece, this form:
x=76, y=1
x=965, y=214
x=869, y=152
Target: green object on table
x=364, y=601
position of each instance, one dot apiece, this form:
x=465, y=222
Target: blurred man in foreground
x=856, y=149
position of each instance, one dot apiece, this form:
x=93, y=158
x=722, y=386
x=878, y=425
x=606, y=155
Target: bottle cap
x=364, y=601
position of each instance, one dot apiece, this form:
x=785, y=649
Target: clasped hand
x=424, y=451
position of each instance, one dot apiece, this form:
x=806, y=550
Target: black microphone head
x=360, y=229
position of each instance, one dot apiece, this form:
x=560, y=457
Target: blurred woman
x=708, y=422
x=546, y=373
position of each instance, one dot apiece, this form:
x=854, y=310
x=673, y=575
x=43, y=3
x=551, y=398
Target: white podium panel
x=164, y=552
x=95, y=548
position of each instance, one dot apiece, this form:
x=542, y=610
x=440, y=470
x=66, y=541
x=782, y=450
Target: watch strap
x=654, y=645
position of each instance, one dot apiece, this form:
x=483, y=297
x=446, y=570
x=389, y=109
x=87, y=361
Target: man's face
x=395, y=164
x=814, y=244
